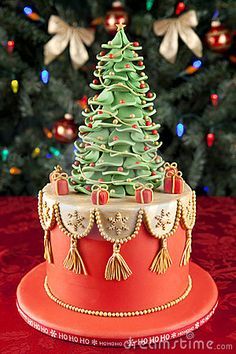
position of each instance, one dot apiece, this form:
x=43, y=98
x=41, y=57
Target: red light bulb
x=214, y=99
x=210, y=139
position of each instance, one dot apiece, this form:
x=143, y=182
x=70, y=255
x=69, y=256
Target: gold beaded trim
x=189, y=222
x=121, y=240
x=40, y=213
x=64, y=229
x=118, y=314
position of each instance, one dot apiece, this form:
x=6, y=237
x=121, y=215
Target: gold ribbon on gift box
x=181, y=26
x=57, y=174
x=142, y=187
x=170, y=166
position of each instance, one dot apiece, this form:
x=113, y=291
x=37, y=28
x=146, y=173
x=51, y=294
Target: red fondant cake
x=117, y=268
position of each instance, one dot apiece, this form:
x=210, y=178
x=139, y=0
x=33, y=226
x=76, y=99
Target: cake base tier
x=40, y=312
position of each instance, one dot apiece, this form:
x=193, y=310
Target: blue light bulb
x=197, y=64
x=27, y=10
x=180, y=129
x=206, y=189
x=44, y=76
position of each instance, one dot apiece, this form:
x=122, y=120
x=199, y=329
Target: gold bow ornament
x=181, y=26
x=59, y=181
x=65, y=34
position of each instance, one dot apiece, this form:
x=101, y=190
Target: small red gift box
x=100, y=195
x=59, y=181
x=173, y=182
x=144, y=193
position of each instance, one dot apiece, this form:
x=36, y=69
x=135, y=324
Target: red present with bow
x=100, y=194
x=59, y=181
x=144, y=193
x=173, y=181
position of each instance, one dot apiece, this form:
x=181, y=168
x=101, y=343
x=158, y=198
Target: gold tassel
x=116, y=267
x=162, y=261
x=47, y=247
x=74, y=261
x=187, y=249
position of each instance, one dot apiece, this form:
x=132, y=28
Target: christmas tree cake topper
x=119, y=139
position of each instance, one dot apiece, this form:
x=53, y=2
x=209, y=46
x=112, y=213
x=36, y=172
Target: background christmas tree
x=195, y=96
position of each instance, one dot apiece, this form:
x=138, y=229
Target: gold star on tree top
x=120, y=26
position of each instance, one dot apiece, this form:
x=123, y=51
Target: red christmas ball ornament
x=134, y=126
x=153, y=173
x=100, y=180
x=95, y=82
x=148, y=123
x=210, y=139
x=115, y=138
x=90, y=125
x=219, y=37
x=140, y=63
x=92, y=164
x=127, y=66
x=111, y=56
x=102, y=53
x=154, y=132
x=65, y=130
x=146, y=148
x=88, y=188
x=136, y=44
x=91, y=119
x=142, y=86
x=120, y=169
x=149, y=94
x=115, y=15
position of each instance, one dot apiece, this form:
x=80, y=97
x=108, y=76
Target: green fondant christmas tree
x=119, y=139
